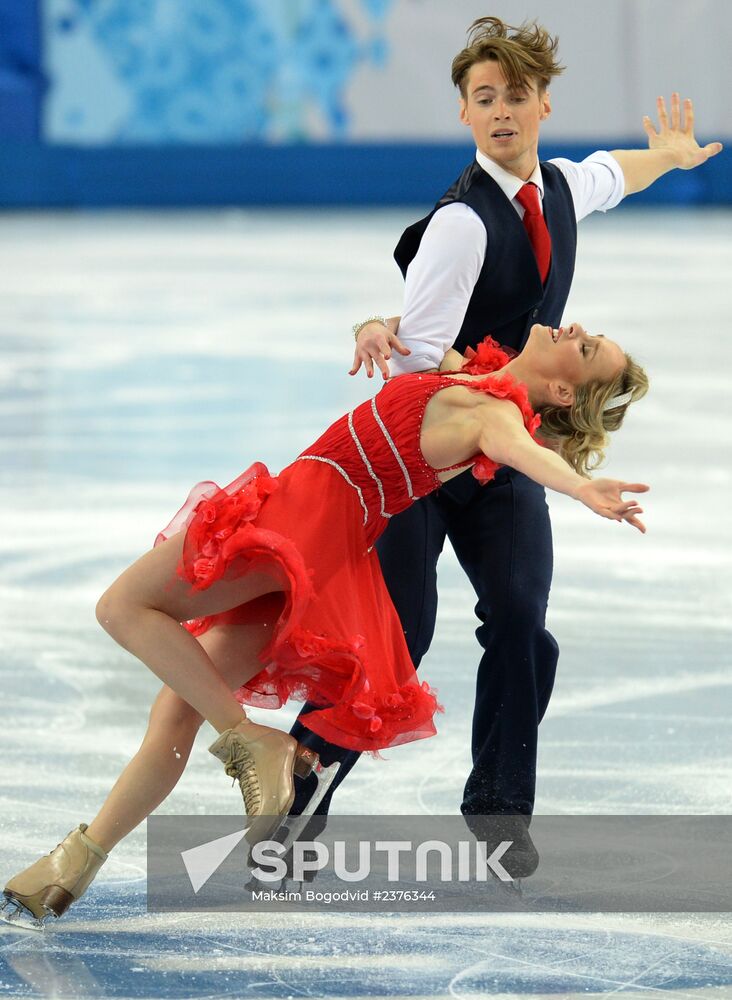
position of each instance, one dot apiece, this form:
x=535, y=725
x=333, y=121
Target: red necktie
x=528, y=198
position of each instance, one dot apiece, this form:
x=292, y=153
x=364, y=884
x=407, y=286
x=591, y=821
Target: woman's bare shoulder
x=466, y=391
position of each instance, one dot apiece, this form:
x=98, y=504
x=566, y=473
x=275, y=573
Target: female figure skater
x=270, y=588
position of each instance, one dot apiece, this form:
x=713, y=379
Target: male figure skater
x=496, y=255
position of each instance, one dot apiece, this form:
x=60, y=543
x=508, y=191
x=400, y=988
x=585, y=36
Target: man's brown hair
x=524, y=54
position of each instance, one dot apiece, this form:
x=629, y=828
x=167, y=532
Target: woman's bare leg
x=143, y=609
x=154, y=771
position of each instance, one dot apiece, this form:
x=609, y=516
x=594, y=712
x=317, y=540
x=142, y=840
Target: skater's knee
x=524, y=608
x=520, y=631
x=528, y=614
x=108, y=611
x=116, y=613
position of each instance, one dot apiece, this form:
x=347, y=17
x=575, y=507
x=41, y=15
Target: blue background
x=215, y=99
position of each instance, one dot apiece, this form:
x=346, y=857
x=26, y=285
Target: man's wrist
x=668, y=157
x=358, y=327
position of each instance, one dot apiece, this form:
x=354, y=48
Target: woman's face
x=573, y=355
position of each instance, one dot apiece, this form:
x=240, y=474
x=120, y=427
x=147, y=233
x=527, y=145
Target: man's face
x=504, y=121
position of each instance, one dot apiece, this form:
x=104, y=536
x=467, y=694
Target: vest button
x=535, y=313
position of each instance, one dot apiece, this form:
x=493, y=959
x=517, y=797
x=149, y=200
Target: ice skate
x=53, y=883
x=522, y=858
x=265, y=762
x=291, y=827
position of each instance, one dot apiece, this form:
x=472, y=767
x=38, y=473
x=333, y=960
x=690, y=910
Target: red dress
x=336, y=637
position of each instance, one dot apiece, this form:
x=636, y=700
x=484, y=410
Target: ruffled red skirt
x=336, y=638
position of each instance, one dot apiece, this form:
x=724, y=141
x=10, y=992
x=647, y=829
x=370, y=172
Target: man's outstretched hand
x=678, y=138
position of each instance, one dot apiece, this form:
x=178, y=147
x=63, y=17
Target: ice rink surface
x=141, y=353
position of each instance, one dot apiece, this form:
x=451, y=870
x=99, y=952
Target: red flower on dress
x=489, y=357
x=204, y=569
x=207, y=511
x=362, y=711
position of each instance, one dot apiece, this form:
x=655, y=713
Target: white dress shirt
x=441, y=278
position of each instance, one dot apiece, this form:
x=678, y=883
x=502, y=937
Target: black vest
x=508, y=297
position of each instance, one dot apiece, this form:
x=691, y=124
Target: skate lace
x=242, y=768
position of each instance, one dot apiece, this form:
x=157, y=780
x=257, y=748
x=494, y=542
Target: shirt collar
x=509, y=183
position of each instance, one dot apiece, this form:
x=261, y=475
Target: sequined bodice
x=376, y=447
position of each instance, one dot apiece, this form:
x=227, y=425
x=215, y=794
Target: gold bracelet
x=358, y=327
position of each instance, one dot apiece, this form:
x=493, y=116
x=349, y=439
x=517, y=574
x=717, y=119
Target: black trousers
x=501, y=535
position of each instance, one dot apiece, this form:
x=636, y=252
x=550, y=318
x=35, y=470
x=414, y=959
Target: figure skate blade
x=20, y=917
x=294, y=825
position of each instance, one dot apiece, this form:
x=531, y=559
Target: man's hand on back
x=375, y=345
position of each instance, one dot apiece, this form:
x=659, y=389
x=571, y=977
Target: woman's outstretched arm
x=504, y=439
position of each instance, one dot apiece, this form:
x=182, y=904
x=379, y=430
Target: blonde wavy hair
x=580, y=433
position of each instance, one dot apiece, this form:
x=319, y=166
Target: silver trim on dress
x=368, y=465
x=397, y=456
x=342, y=471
